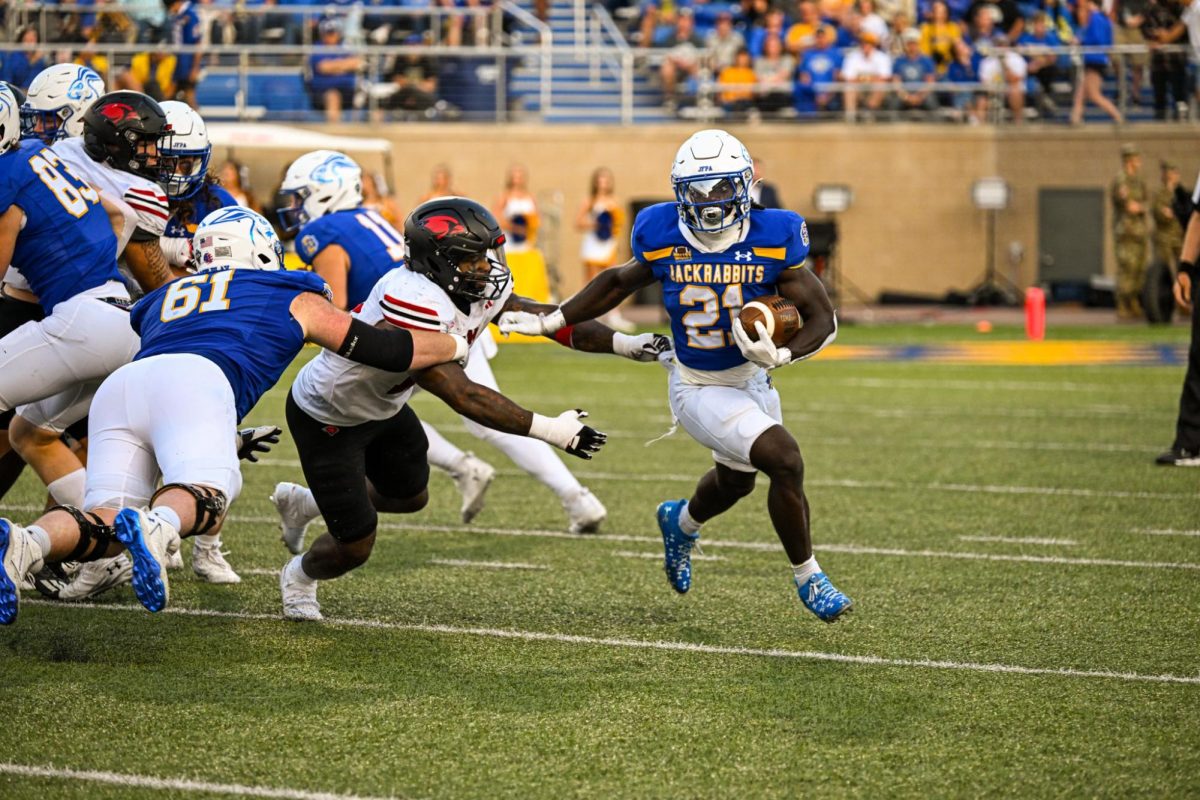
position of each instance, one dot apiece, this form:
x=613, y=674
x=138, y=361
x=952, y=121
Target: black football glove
x=586, y=443
x=252, y=441
x=643, y=347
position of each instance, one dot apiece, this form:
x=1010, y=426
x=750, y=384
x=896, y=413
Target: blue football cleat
x=677, y=545
x=822, y=598
x=10, y=585
x=146, y=542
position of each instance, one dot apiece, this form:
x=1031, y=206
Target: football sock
x=441, y=454
x=68, y=490
x=686, y=523
x=296, y=571
x=40, y=538
x=208, y=540
x=806, y=570
x=167, y=515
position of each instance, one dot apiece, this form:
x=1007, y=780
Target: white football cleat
x=174, y=556
x=97, y=577
x=584, y=512
x=299, y=596
x=19, y=556
x=289, y=500
x=208, y=562
x=472, y=476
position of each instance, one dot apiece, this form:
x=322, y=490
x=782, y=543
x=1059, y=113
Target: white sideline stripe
x=1165, y=532
x=658, y=556
x=688, y=647
x=274, y=573
x=172, y=784
x=1019, y=540
x=1086, y=562
x=462, y=562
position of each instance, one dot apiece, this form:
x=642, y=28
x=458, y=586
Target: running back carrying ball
x=777, y=314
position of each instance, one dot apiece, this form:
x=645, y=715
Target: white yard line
x=462, y=562
x=687, y=647
x=171, y=784
x=1165, y=532
x=274, y=573
x=1019, y=540
x=659, y=556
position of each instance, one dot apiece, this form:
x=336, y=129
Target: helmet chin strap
x=717, y=241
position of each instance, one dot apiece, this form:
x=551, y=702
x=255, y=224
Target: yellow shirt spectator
x=737, y=76
x=937, y=42
x=151, y=72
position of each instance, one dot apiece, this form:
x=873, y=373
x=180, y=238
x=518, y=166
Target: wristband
x=554, y=321
x=563, y=336
x=461, y=347
x=541, y=427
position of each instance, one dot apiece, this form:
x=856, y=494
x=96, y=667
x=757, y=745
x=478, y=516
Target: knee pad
x=94, y=535
x=210, y=506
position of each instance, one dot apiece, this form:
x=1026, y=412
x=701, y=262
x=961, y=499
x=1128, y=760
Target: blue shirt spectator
x=185, y=30
x=21, y=67
x=1098, y=32
x=818, y=67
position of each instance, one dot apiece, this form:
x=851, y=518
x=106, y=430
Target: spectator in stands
x=415, y=77
x=1044, y=67
x=150, y=73
x=866, y=64
x=235, y=179
x=772, y=28
x=774, y=73
x=1128, y=17
x=1094, y=30
x=870, y=21
x=820, y=65
x=753, y=13
x=334, y=72
x=803, y=33
x=896, y=28
x=440, y=184
x=21, y=66
x=913, y=67
x=88, y=57
x=187, y=31
x=1004, y=72
x=724, y=42
x=517, y=211
x=1005, y=16
x=683, y=57
x=1168, y=71
x=938, y=35
x=735, y=84
x=380, y=201
x=600, y=220
x=964, y=70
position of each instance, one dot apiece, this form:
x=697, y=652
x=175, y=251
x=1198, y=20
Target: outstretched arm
x=592, y=336
x=603, y=294
x=492, y=409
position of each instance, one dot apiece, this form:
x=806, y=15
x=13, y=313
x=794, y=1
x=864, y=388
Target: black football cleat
x=1179, y=457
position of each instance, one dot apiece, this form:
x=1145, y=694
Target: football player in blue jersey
x=211, y=344
x=713, y=253
x=352, y=247
x=193, y=193
x=57, y=99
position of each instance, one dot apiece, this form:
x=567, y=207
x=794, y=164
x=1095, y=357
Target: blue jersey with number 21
x=373, y=245
x=67, y=245
x=704, y=292
x=239, y=319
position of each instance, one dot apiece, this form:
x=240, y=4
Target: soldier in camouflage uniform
x=1131, y=225
x=1168, y=232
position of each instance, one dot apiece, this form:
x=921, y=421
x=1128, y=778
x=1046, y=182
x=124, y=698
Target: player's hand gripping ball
x=777, y=314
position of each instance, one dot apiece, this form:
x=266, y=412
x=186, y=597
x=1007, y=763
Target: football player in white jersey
x=361, y=446
x=352, y=247
x=712, y=251
x=117, y=155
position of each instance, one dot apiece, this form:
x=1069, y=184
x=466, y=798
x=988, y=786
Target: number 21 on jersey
x=709, y=315
x=186, y=295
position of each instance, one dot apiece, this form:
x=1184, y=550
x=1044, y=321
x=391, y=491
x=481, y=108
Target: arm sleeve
x=390, y=350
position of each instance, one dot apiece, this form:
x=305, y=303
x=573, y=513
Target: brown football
x=777, y=314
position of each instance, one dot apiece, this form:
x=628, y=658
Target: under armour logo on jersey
x=742, y=255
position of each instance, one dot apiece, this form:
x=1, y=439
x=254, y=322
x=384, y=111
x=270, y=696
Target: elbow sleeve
x=390, y=350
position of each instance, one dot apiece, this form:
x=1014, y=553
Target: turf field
x=1027, y=623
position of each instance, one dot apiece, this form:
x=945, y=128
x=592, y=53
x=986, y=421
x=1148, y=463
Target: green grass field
x=1027, y=623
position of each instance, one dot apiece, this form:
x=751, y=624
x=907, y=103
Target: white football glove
x=763, y=352
x=643, y=347
x=566, y=432
x=531, y=324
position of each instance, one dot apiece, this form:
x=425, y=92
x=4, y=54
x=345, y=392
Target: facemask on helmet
x=184, y=159
x=316, y=184
x=712, y=175
x=57, y=100
x=236, y=237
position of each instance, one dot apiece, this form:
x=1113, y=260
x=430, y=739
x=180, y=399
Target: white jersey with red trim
x=337, y=391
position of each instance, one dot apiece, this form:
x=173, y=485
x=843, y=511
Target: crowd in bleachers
x=954, y=60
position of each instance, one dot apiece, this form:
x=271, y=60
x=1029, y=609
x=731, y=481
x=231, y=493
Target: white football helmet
x=57, y=100
x=236, y=237
x=316, y=184
x=10, y=118
x=712, y=175
x=184, y=159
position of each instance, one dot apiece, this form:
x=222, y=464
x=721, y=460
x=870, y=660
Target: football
x=777, y=314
